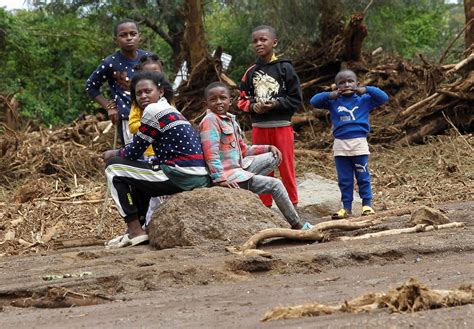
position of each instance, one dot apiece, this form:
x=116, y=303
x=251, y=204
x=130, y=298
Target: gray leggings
x=261, y=166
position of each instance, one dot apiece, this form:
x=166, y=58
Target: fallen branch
x=60, y=244
x=61, y=198
x=78, y=202
x=309, y=83
x=415, y=229
x=462, y=63
x=59, y=297
x=418, y=105
x=314, y=234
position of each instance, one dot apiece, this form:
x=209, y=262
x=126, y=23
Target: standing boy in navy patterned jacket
x=117, y=70
x=349, y=107
x=270, y=91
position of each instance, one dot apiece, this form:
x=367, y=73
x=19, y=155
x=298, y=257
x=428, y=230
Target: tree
x=167, y=19
x=469, y=13
x=194, y=44
x=331, y=22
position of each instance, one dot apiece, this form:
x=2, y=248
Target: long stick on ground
x=316, y=233
x=107, y=193
x=415, y=229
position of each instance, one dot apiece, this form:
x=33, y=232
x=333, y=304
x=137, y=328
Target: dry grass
x=52, y=184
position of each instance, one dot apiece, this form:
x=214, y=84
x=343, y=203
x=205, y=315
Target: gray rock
x=321, y=196
x=427, y=215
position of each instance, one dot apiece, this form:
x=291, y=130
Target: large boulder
x=321, y=196
x=207, y=214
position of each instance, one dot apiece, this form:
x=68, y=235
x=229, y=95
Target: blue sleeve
x=321, y=100
x=376, y=96
x=100, y=75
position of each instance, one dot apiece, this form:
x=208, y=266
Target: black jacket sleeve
x=293, y=96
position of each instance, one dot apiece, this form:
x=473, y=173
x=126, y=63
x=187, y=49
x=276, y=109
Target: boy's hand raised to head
x=360, y=90
x=228, y=184
x=334, y=94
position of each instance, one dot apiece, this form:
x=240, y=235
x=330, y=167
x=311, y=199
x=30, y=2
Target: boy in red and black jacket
x=270, y=91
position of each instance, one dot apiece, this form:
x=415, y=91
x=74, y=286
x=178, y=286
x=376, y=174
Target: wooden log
x=418, y=105
x=459, y=95
x=415, y=229
x=433, y=126
x=73, y=243
x=312, y=82
x=314, y=234
x=462, y=63
x=302, y=119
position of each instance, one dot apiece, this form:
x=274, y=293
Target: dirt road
x=205, y=287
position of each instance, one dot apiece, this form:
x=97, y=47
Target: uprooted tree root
x=409, y=297
x=319, y=231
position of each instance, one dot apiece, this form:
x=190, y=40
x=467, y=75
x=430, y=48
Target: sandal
x=118, y=242
x=125, y=241
x=367, y=210
x=341, y=214
x=139, y=240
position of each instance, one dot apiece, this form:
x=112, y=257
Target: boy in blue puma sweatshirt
x=349, y=106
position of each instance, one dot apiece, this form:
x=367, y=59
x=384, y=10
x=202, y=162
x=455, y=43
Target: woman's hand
x=108, y=155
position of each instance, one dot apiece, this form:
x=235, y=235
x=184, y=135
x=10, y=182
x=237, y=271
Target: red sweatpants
x=283, y=139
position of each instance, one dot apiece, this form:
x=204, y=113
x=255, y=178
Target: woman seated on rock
x=178, y=166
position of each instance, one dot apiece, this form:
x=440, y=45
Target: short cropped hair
x=344, y=71
x=266, y=27
x=213, y=85
x=124, y=21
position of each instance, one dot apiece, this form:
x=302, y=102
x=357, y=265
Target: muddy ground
x=52, y=193
x=206, y=287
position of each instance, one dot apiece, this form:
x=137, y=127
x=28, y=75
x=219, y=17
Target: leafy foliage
x=49, y=51
x=407, y=29
x=47, y=58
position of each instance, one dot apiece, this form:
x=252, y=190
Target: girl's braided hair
x=149, y=59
